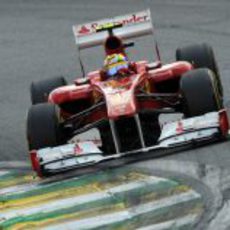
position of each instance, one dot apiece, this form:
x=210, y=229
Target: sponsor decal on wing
x=89, y=28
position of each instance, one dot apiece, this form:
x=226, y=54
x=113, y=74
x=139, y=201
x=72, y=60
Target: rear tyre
x=40, y=90
x=199, y=92
x=43, y=126
x=201, y=55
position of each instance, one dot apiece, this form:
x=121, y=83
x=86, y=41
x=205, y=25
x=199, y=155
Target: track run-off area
x=127, y=198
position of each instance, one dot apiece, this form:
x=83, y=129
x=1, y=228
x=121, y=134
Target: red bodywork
x=119, y=93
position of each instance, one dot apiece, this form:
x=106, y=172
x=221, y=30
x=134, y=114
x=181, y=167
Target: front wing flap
x=191, y=129
x=209, y=127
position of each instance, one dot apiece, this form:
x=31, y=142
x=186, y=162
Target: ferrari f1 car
x=97, y=119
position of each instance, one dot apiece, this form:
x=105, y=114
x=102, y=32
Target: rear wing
x=130, y=26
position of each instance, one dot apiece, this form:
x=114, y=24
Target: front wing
x=197, y=130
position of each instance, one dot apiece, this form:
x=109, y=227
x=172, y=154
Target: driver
x=116, y=64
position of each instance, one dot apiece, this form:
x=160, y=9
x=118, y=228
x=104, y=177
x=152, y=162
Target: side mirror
x=153, y=65
x=130, y=44
x=81, y=81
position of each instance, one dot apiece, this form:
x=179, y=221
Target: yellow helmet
x=114, y=62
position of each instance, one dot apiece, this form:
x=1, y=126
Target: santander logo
x=124, y=20
x=84, y=30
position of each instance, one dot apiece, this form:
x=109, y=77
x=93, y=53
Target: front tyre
x=43, y=129
x=40, y=90
x=199, y=92
x=201, y=56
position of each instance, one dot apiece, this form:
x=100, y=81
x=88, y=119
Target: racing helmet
x=115, y=62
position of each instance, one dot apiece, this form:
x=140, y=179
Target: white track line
x=17, y=189
x=15, y=165
x=3, y=173
x=103, y=220
x=172, y=224
x=79, y=200
x=31, y=186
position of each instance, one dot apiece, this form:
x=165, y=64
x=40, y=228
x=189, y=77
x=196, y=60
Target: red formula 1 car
x=101, y=118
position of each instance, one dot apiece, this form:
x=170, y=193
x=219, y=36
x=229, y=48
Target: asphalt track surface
x=36, y=42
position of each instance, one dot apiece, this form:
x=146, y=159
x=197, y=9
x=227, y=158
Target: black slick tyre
x=199, y=92
x=40, y=90
x=201, y=55
x=43, y=126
